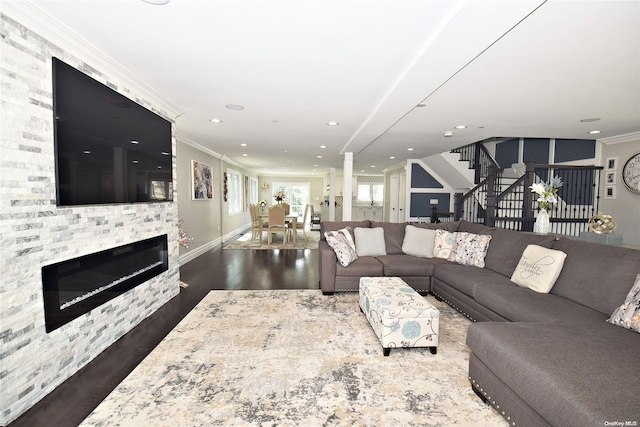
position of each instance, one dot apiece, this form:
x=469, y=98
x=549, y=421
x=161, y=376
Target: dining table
x=292, y=219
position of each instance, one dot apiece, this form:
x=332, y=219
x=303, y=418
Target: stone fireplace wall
x=35, y=232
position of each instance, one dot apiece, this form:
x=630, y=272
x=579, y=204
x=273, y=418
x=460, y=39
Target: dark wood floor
x=218, y=269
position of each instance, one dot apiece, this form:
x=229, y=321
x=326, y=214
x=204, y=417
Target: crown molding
x=197, y=146
x=620, y=139
x=36, y=20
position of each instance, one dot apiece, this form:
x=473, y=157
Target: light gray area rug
x=244, y=242
x=295, y=358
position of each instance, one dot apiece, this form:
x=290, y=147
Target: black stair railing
x=479, y=158
x=494, y=203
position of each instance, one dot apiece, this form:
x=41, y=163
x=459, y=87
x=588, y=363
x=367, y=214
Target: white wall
x=625, y=208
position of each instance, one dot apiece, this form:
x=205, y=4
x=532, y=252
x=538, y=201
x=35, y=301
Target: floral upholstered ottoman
x=399, y=315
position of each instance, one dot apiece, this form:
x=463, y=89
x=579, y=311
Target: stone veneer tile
x=35, y=233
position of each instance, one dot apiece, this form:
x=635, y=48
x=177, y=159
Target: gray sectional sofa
x=541, y=359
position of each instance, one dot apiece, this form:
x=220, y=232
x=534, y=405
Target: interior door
x=394, y=181
x=402, y=197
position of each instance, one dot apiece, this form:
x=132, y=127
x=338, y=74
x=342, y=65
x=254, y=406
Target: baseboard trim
x=196, y=252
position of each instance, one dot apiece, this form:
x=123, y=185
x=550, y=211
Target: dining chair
x=257, y=224
x=276, y=223
x=287, y=208
x=302, y=225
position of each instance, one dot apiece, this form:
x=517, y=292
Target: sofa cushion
x=393, y=235
x=507, y=247
x=524, y=305
x=363, y=266
x=443, y=243
x=472, y=227
x=538, y=268
x=628, y=314
x=407, y=265
x=448, y=226
x=370, y=241
x=418, y=241
x=343, y=249
x=571, y=374
x=337, y=225
x=598, y=276
x=468, y=279
x=470, y=249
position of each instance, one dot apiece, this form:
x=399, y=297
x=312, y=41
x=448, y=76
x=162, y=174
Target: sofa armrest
x=328, y=262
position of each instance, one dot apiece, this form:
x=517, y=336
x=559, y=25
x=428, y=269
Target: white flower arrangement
x=279, y=196
x=547, y=192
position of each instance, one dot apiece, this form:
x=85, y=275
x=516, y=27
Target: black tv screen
x=108, y=148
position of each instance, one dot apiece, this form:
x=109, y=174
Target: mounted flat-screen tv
x=108, y=148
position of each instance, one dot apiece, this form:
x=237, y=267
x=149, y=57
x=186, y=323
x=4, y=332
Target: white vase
x=542, y=225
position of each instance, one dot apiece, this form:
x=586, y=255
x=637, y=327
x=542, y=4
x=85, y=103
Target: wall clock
x=631, y=173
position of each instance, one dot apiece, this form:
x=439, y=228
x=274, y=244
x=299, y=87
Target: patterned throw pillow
x=346, y=232
x=538, y=268
x=443, y=243
x=470, y=249
x=628, y=314
x=344, y=252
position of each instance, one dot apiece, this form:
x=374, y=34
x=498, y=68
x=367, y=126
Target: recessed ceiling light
x=159, y=167
x=215, y=121
x=461, y=127
x=87, y=152
x=373, y=166
x=164, y=153
x=410, y=149
x=315, y=166
x=134, y=142
x=392, y=157
x=590, y=120
x=136, y=162
x=234, y=107
x=448, y=134
x=243, y=144
x=244, y=154
x=323, y=146
x=319, y=157
x=594, y=132
x=333, y=123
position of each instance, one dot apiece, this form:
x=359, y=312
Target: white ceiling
x=505, y=68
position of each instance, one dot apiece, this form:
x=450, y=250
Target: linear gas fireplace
x=77, y=286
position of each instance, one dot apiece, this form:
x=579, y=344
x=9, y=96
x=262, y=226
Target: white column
x=347, y=187
x=332, y=194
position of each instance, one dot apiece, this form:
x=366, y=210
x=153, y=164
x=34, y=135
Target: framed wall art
x=201, y=181
x=610, y=192
x=610, y=178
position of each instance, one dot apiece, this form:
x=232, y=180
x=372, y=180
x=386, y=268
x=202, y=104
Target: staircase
x=502, y=198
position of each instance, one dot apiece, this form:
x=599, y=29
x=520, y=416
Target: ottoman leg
x=433, y=350
x=386, y=351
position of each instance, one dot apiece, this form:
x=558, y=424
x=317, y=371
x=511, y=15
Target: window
x=370, y=192
x=234, y=194
x=253, y=190
x=296, y=195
